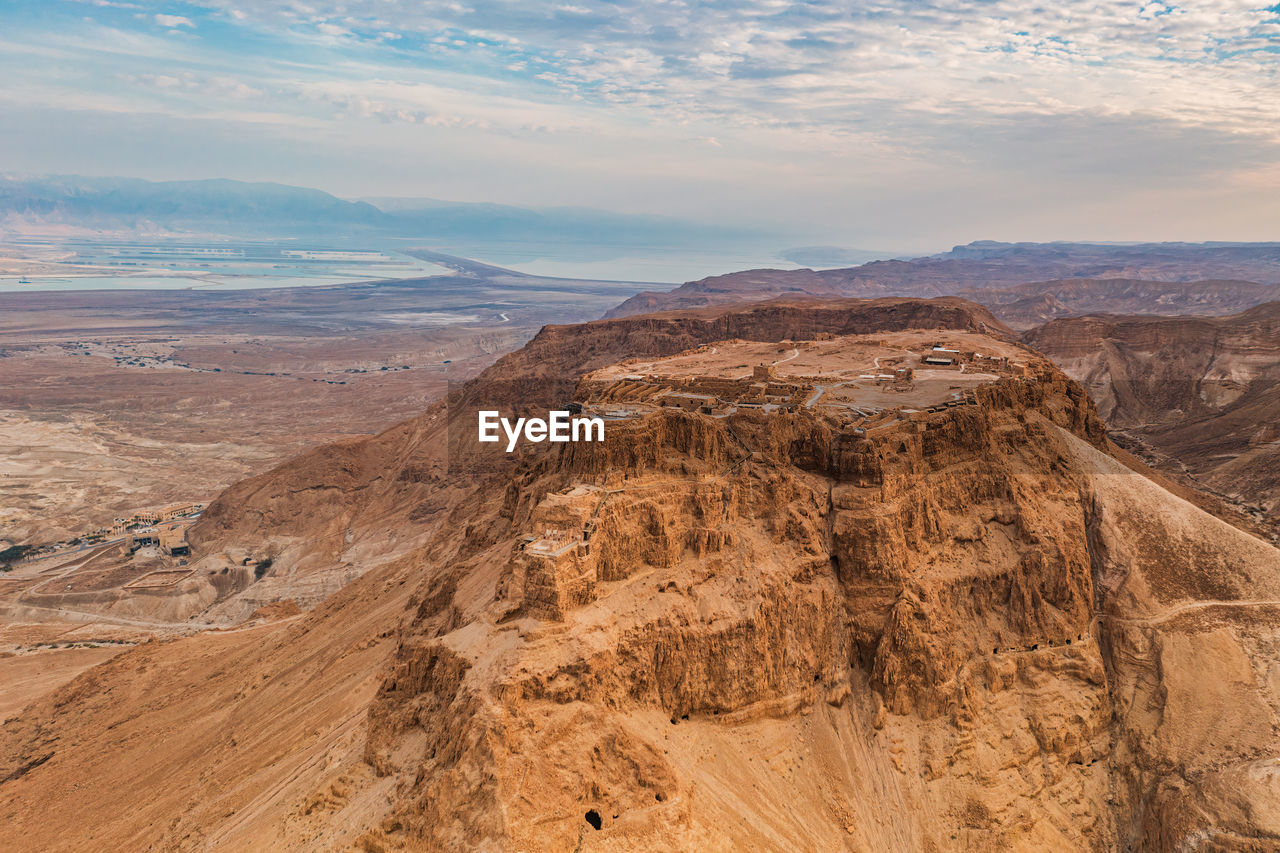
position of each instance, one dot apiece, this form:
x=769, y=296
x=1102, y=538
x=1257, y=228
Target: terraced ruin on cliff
x=963, y=627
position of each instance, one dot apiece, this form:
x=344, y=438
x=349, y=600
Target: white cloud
x=829, y=101
x=825, y=68
x=174, y=21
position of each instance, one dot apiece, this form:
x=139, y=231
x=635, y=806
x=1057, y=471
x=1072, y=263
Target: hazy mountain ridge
x=270, y=209
x=982, y=266
x=1028, y=305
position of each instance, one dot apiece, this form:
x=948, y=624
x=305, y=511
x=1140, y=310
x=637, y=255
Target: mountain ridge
x=225, y=206
x=975, y=270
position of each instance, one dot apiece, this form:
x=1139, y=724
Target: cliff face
x=969, y=630
x=767, y=578
x=965, y=628
x=591, y=345
x=337, y=511
x=1201, y=393
x=1189, y=611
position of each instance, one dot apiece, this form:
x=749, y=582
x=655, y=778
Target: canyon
x=1197, y=396
x=930, y=611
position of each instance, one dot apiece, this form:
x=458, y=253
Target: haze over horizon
x=905, y=127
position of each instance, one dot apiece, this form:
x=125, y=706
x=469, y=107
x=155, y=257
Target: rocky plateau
x=962, y=623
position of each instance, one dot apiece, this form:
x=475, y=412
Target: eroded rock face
x=928, y=584
x=907, y=615
x=965, y=628
x=324, y=517
x=1028, y=305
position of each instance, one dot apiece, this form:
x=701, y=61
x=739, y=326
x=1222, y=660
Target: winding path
x=14, y=611
x=1189, y=606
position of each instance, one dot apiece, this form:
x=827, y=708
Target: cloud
x=174, y=21
x=828, y=69
x=216, y=86
x=826, y=66
x=831, y=103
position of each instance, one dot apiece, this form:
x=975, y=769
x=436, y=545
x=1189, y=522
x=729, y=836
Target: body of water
x=88, y=265
x=94, y=265
x=657, y=264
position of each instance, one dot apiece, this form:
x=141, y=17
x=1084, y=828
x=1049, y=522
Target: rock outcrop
x=339, y=510
x=965, y=628
x=726, y=577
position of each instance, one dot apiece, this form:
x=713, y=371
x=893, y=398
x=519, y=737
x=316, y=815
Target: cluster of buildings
x=716, y=395
x=164, y=528
x=943, y=357
x=170, y=539
x=719, y=396
x=149, y=517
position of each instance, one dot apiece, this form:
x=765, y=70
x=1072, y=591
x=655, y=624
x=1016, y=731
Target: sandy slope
x=229, y=734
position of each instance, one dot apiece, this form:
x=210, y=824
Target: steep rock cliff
x=742, y=575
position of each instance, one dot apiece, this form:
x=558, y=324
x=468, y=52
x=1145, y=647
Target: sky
x=875, y=125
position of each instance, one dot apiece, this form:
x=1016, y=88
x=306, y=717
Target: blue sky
x=878, y=125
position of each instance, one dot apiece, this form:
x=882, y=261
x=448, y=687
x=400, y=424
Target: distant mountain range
x=1220, y=278
x=238, y=208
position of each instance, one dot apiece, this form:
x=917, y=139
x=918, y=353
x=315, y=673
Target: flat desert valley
x=115, y=400
x=119, y=401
